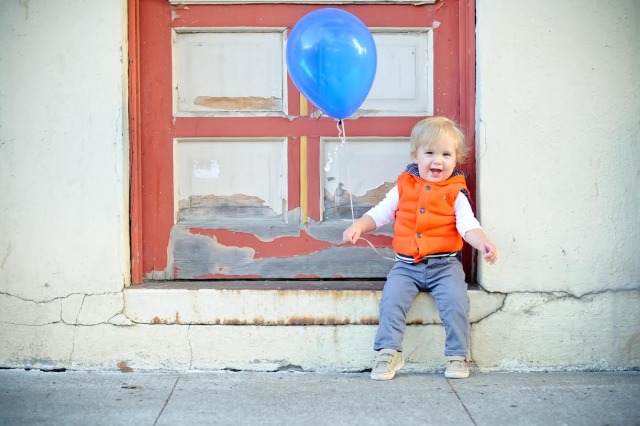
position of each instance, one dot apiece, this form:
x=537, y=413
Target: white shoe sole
x=456, y=374
x=389, y=375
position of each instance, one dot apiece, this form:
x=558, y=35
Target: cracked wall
x=558, y=165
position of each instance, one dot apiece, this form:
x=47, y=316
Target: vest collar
x=412, y=169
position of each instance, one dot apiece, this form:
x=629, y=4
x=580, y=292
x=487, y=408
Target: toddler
x=432, y=212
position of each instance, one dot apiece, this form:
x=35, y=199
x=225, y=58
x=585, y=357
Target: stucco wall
x=558, y=158
x=62, y=154
x=558, y=112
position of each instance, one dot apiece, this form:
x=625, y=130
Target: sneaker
x=457, y=368
x=388, y=362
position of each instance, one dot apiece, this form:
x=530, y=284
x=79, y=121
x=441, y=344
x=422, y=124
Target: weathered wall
x=558, y=160
x=63, y=169
x=62, y=154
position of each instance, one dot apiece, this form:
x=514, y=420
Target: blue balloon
x=331, y=58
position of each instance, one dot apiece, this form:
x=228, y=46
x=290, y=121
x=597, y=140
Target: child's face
x=436, y=161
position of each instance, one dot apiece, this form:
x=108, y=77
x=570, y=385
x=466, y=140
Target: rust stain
x=288, y=246
x=177, y=318
x=240, y=103
x=297, y=321
x=302, y=276
x=368, y=321
x=122, y=365
x=317, y=321
x=157, y=320
x=421, y=322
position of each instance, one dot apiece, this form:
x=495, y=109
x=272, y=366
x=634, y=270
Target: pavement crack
x=461, y=402
x=167, y=401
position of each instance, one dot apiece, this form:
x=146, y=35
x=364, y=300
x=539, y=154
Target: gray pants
x=443, y=278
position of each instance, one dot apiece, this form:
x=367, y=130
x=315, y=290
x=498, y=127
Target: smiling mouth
x=435, y=171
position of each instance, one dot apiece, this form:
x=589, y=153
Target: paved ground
x=291, y=398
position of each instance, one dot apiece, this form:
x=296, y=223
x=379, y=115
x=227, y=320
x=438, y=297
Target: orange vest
x=425, y=221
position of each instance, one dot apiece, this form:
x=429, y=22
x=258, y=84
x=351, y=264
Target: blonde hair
x=431, y=130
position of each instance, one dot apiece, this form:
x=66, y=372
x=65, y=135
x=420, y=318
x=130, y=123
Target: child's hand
x=351, y=234
x=489, y=252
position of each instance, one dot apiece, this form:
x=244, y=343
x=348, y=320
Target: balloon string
x=343, y=140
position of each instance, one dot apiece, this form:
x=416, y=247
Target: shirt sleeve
x=465, y=219
x=385, y=211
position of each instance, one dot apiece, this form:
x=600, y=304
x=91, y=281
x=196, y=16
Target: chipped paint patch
x=240, y=103
x=287, y=246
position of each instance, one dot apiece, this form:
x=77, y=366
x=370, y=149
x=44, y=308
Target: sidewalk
x=292, y=398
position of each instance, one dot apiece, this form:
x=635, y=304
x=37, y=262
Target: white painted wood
x=229, y=71
x=358, y=166
x=232, y=166
x=403, y=85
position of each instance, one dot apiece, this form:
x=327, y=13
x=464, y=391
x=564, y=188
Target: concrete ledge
x=279, y=303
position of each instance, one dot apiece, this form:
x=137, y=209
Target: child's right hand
x=351, y=234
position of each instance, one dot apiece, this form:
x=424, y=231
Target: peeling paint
x=240, y=103
x=339, y=202
x=279, y=247
x=214, y=207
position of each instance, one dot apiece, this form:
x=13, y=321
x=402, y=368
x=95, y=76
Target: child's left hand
x=489, y=252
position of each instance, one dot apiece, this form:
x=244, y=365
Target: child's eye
x=429, y=152
x=447, y=154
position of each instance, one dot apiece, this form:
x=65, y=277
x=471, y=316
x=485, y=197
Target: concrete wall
x=558, y=89
x=558, y=159
x=63, y=170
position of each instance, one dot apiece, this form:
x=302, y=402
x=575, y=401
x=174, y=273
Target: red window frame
x=149, y=201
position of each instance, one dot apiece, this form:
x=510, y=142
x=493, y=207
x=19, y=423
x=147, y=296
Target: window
x=229, y=161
